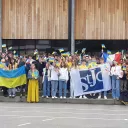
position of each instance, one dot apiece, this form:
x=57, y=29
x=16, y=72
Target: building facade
x=46, y=24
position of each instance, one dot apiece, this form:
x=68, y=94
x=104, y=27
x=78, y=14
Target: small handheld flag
x=51, y=59
x=66, y=54
x=9, y=48
x=124, y=68
x=61, y=50
x=54, y=53
x=103, y=46
x=14, y=52
x=76, y=52
x=35, y=52
x=37, y=57
x=109, y=52
x=83, y=50
x=3, y=45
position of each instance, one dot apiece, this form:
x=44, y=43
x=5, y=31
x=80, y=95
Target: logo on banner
x=91, y=80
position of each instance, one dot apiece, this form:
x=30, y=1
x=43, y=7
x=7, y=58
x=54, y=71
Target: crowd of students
x=51, y=74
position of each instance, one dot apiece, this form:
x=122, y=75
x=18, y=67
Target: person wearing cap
x=116, y=73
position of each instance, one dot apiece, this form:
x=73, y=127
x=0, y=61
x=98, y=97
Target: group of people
x=51, y=74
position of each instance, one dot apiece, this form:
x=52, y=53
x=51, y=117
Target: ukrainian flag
x=109, y=52
x=13, y=78
x=83, y=50
x=103, y=46
x=65, y=54
x=51, y=59
x=3, y=45
x=61, y=50
x=76, y=52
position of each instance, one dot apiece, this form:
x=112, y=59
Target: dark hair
x=36, y=64
x=65, y=65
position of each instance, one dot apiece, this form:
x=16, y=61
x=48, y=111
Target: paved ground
x=24, y=115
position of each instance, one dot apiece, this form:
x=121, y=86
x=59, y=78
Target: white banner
x=91, y=81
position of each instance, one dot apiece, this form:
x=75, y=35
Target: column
x=72, y=26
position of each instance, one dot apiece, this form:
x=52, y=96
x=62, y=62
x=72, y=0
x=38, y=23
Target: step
x=68, y=100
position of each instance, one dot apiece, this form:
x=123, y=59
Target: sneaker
x=42, y=96
x=10, y=96
x=47, y=97
x=21, y=95
x=53, y=97
x=13, y=96
x=80, y=97
x=85, y=97
x=70, y=97
x=99, y=97
x=64, y=97
x=105, y=97
x=61, y=97
x=117, y=98
x=94, y=94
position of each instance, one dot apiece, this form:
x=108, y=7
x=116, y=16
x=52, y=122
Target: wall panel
x=35, y=19
x=101, y=19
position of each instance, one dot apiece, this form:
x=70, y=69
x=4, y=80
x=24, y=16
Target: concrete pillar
x=0, y=25
x=72, y=26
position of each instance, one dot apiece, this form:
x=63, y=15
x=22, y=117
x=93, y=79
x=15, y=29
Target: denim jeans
x=46, y=86
x=105, y=93
x=115, y=87
x=54, y=84
x=62, y=85
x=12, y=91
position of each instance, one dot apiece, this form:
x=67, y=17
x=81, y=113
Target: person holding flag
x=33, y=85
x=105, y=69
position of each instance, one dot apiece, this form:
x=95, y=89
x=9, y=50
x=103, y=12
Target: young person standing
x=63, y=78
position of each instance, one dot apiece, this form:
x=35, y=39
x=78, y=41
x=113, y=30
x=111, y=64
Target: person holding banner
x=116, y=74
x=93, y=62
x=63, y=78
x=72, y=84
x=83, y=67
x=12, y=66
x=33, y=85
x=105, y=69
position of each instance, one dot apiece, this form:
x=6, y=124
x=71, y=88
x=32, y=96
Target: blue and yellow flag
x=9, y=48
x=3, y=45
x=51, y=59
x=103, y=46
x=83, y=50
x=61, y=50
x=54, y=53
x=109, y=52
x=65, y=54
x=76, y=52
x=13, y=78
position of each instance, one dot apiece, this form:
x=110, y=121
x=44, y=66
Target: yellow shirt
x=58, y=64
x=92, y=65
x=69, y=64
x=83, y=67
